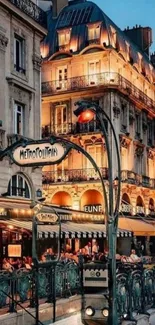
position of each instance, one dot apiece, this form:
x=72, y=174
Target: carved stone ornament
x=139, y=151
x=3, y=41
x=123, y=142
x=150, y=154
x=131, y=117
x=116, y=110
x=37, y=60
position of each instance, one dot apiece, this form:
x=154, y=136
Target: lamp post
x=86, y=110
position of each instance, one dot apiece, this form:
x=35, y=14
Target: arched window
x=18, y=186
x=140, y=209
x=126, y=207
x=151, y=208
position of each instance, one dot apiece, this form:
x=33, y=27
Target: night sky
x=130, y=12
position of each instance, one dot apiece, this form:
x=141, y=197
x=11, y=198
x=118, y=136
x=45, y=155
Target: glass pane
x=58, y=116
x=19, y=123
x=27, y=193
x=64, y=114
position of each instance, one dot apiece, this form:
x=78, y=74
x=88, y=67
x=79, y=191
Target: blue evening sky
x=130, y=12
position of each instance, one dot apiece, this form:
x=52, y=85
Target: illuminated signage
x=47, y=217
x=93, y=208
x=39, y=153
x=14, y=250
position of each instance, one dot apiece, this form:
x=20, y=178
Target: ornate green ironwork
x=122, y=294
x=23, y=284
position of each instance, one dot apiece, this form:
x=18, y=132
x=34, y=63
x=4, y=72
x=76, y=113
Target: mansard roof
x=77, y=17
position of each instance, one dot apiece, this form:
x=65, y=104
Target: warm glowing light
x=10, y=226
x=22, y=211
x=16, y=210
x=29, y=211
x=86, y=116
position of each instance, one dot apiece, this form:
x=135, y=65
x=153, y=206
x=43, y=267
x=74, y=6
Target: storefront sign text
x=47, y=217
x=42, y=153
x=93, y=208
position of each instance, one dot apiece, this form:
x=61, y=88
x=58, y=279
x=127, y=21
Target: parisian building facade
x=22, y=27
x=86, y=56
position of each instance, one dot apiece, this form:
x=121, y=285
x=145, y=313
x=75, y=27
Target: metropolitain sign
x=39, y=153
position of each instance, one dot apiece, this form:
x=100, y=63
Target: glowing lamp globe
x=86, y=116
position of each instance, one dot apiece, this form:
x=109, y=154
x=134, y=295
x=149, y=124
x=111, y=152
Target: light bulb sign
x=39, y=153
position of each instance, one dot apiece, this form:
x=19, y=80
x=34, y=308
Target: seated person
x=134, y=257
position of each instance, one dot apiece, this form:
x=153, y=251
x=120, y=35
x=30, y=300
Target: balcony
x=106, y=79
x=126, y=209
x=73, y=175
x=140, y=210
x=32, y=10
x=70, y=128
x=131, y=177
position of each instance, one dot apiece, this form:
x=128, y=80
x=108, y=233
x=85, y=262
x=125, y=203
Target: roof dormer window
x=113, y=36
x=93, y=32
x=64, y=37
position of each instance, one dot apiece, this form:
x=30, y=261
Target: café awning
x=138, y=227
x=68, y=229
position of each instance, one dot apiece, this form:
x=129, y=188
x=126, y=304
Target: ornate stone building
x=86, y=56
x=22, y=27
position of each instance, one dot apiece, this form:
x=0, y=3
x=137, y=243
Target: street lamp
x=86, y=111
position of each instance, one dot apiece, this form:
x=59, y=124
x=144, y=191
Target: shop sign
x=93, y=208
x=47, y=217
x=39, y=154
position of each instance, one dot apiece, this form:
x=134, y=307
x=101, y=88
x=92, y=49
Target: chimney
x=141, y=36
x=152, y=57
x=57, y=6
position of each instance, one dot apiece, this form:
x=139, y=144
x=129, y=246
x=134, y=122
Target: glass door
x=62, y=78
x=93, y=71
x=61, y=124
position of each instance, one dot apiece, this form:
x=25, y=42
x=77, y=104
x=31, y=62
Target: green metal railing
x=135, y=287
x=18, y=286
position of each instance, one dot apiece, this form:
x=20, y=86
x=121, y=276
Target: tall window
x=61, y=119
x=19, y=54
x=62, y=78
x=18, y=186
x=150, y=132
x=96, y=153
x=137, y=126
x=93, y=33
x=18, y=119
x=93, y=71
x=64, y=37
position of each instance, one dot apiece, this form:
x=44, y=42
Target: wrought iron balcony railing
x=126, y=209
x=73, y=175
x=106, y=79
x=32, y=10
x=70, y=128
x=140, y=210
x=139, y=180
